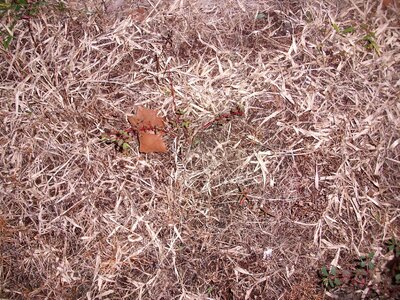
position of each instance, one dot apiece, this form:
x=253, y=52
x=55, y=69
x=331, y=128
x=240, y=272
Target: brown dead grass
x=317, y=152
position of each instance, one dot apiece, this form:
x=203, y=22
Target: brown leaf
x=151, y=143
x=149, y=126
x=146, y=119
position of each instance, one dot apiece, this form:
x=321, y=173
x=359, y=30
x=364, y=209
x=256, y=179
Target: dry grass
x=317, y=151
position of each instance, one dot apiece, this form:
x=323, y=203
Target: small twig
x=27, y=18
x=225, y=117
x=243, y=196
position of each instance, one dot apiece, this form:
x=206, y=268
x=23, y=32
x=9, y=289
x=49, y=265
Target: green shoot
x=370, y=42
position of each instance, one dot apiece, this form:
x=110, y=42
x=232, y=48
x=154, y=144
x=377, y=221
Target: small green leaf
x=371, y=43
x=18, y=6
x=397, y=278
x=363, y=264
x=349, y=29
x=333, y=271
x=371, y=255
x=371, y=265
x=337, y=281
x=125, y=146
x=391, y=247
x=185, y=124
x=124, y=133
x=336, y=27
x=61, y=6
x=324, y=271
x=331, y=283
x=7, y=41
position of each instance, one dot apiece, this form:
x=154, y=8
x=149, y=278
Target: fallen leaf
x=149, y=127
x=150, y=142
x=146, y=119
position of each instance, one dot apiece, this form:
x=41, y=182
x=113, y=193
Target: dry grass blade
x=309, y=173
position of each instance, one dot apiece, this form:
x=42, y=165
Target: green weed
x=358, y=276
x=15, y=11
x=370, y=42
x=330, y=279
x=394, y=246
x=343, y=31
x=120, y=139
x=349, y=29
x=362, y=272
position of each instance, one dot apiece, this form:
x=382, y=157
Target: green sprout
x=180, y=112
x=120, y=140
x=336, y=27
x=186, y=124
x=344, y=31
x=370, y=42
x=330, y=279
x=358, y=276
x=349, y=29
x=16, y=10
x=394, y=246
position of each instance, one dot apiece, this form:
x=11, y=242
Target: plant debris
x=146, y=119
x=150, y=142
x=282, y=134
x=149, y=127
